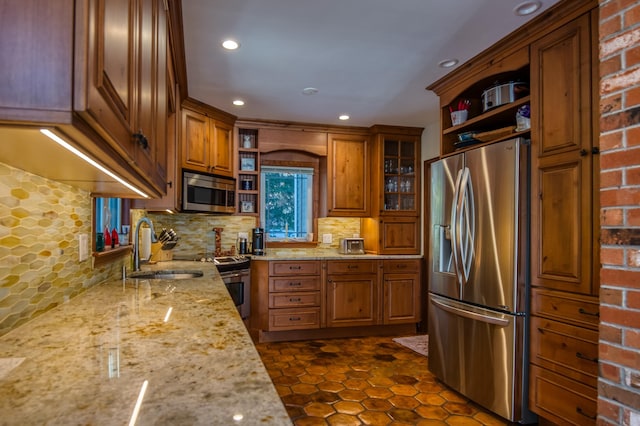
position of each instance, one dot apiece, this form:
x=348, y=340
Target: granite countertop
x=181, y=341
x=326, y=254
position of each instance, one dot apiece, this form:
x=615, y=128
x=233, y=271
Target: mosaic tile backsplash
x=196, y=234
x=40, y=221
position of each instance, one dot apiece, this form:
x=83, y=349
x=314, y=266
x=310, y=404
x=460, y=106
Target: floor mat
x=419, y=344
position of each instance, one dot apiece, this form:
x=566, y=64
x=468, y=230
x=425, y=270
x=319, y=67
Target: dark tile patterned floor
x=364, y=381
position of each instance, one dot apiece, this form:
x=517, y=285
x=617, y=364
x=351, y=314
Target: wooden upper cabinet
x=207, y=143
x=561, y=79
x=348, y=171
x=100, y=79
x=563, y=191
x=110, y=83
x=126, y=85
x=149, y=125
x=222, y=151
x=394, y=223
x=194, y=140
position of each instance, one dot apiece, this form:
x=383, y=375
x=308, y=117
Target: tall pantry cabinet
x=564, y=220
x=557, y=52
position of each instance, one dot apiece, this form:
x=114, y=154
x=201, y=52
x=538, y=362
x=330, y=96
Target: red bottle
x=114, y=238
x=107, y=238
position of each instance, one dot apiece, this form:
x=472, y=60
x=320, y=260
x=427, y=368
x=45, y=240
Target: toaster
x=351, y=246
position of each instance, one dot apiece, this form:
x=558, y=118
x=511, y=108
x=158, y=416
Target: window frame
x=293, y=160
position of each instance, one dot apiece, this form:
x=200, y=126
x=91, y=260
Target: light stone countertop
x=326, y=254
x=86, y=361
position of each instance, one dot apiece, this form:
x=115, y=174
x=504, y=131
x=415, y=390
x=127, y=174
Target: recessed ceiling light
x=527, y=8
x=448, y=63
x=309, y=91
x=230, y=44
x=238, y=102
x=343, y=117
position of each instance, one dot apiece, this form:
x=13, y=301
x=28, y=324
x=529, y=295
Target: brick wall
x=619, y=382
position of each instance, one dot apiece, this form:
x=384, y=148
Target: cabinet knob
x=584, y=312
x=582, y=412
x=141, y=139
x=595, y=150
x=585, y=357
x=583, y=153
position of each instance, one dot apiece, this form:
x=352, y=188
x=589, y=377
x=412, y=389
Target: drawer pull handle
x=295, y=284
x=352, y=267
x=593, y=314
x=292, y=268
x=587, y=358
x=292, y=299
x=589, y=416
x=294, y=318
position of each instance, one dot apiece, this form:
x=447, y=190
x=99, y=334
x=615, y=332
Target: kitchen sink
x=166, y=274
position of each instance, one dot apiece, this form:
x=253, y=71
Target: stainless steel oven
x=238, y=284
x=236, y=275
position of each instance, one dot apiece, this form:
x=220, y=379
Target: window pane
x=108, y=214
x=287, y=202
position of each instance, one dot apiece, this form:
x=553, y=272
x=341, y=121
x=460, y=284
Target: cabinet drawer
x=291, y=300
x=581, y=311
x=308, y=267
x=565, y=349
x=560, y=399
x=294, y=319
x=351, y=267
x=294, y=284
x=394, y=265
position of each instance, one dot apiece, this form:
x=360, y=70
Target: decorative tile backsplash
x=40, y=221
x=196, y=232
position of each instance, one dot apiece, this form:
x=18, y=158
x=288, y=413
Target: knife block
x=159, y=255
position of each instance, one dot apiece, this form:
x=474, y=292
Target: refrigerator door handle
x=464, y=226
x=455, y=231
x=469, y=314
x=468, y=211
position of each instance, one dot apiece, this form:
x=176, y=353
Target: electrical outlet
x=327, y=238
x=83, y=247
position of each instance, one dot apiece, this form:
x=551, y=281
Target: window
x=287, y=195
x=112, y=213
x=108, y=214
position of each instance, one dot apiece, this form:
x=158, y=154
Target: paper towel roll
x=145, y=243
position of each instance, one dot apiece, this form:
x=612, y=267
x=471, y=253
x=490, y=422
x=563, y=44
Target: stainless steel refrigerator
x=478, y=267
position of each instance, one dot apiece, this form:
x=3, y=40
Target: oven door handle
x=227, y=275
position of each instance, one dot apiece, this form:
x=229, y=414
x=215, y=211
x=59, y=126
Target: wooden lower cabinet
x=335, y=298
x=563, y=355
x=294, y=295
x=352, y=293
x=560, y=399
x=401, y=291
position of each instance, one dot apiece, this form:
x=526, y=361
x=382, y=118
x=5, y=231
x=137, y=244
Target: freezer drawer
x=479, y=353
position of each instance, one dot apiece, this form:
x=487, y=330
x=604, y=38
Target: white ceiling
x=370, y=59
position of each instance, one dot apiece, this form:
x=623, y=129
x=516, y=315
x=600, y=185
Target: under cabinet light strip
x=90, y=160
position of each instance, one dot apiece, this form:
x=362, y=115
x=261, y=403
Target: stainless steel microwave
x=208, y=193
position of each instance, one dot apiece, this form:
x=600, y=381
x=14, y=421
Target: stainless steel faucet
x=136, y=241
